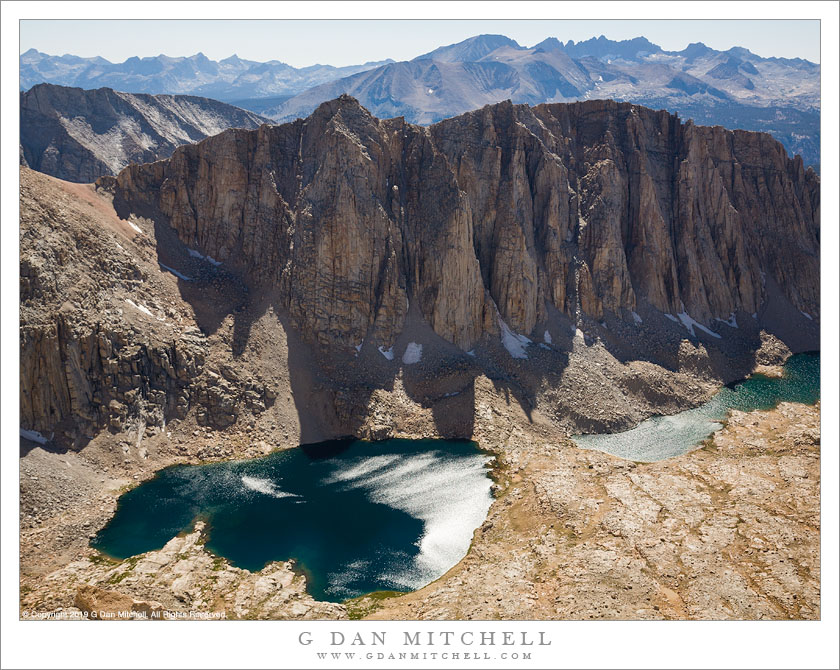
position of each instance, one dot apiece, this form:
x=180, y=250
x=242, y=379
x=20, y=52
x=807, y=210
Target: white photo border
x=276, y=644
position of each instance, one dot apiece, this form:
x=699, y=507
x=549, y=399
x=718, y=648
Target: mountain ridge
x=224, y=80
x=598, y=261
x=590, y=163
x=734, y=88
x=81, y=135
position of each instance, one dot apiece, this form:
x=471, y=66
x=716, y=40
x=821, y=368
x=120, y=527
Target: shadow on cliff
x=332, y=390
x=215, y=295
x=729, y=358
x=27, y=445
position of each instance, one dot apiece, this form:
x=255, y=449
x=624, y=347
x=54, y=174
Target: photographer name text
x=429, y=639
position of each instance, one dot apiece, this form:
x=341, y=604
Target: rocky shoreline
x=730, y=530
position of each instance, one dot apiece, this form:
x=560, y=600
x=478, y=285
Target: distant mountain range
x=80, y=135
x=733, y=88
x=228, y=79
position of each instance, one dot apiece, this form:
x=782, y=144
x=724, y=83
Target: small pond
x=664, y=437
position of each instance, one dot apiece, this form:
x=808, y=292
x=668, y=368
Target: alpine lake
x=355, y=516
x=394, y=515
x=662, y=437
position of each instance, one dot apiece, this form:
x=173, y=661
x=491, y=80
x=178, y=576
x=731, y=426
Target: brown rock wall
x=591, y=206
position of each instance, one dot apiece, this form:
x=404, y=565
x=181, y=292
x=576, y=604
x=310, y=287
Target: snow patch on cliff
x=387, y=353
x=731, y=322
x=209, y=259
x=413, y=353
x=513, y=342
x=690, y=324
x=142, y=308
x=175, y=272
x=33, y=436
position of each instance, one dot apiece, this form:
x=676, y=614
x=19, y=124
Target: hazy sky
x=306, y=42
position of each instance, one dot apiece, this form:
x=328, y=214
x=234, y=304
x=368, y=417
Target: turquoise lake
x=664, y=437
x=355, y=516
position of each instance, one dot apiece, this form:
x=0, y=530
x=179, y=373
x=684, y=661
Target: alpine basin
x=355, y=516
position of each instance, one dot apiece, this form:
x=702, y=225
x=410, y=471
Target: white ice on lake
x=450, y=498
x=265, y=486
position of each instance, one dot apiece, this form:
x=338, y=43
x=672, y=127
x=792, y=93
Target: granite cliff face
x=80, y=135
x=600, y=261
x=498, y=220
x=105, y=341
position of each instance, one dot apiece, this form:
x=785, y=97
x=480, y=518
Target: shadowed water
x=356, y=516
x=664, y=437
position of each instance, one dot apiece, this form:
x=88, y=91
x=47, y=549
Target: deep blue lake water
x=664, y=437
x=355, y=516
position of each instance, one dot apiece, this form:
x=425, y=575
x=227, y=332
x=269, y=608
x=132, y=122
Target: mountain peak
x=470, y=49
x=145, y=127
x=549, y=44
x=695, y=50
x=740, y=52
x=343, y=103
x=603, y=47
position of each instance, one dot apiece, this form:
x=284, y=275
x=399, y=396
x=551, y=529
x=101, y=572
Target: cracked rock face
x=589, y=209
x=105, y=340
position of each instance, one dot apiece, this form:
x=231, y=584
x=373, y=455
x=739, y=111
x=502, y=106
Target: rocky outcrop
x=102, y=343
x=77, y=375
x=495, y=219
x=80, y=135
x=97, y=603
x=186, y=582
